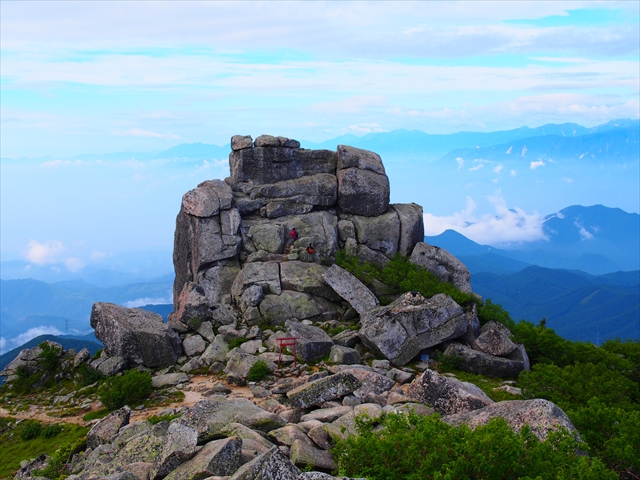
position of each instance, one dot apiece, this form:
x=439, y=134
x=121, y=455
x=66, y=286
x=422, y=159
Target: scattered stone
x=542, y=416
x=473, y=361
x=240, y=363
x=272, y=465
x=323, y=390
x=344, y=355
x=447, y=395
x=180, y=446
x=112, y=366
x=81, y=357
x=313, y=343
x=107, y=429
x=443, y=265
x=169, y=380
x=139, y=336
x=305, y=455
x=350, y=288
x=219, y=457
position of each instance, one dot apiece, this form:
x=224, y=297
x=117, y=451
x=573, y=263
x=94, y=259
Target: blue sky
x=98, y=77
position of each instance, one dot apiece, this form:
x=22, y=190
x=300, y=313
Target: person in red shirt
x=293, y=234
x=309, y=249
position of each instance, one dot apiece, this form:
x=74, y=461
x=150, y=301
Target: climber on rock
x=293, y=234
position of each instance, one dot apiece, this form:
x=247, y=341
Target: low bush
x=49, y=357
x=236, y=342
x=258, y=371
x=154, y=419
x=31, y=429
x=88, y=375
x=51, y=430
x=130, y=388
x=414, y=447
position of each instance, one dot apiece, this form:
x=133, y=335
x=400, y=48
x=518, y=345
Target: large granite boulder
x=209, y=417
x=323, y=390
x=380, y=233
x=313, y=343
x=363, y=185
x=28, y=360
x=192, y=306
x=306, y=277
x=272, y=465
x=107, y=429
x=411, y=226
x=179, y=446
x=216, y=458
x=399, y=331
x=139, y=336
x=542, y=416
x=447, y=395
x=351, y=289
x=443, y=265
x=481, y=363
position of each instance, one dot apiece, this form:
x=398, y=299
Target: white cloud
x=31, y=334
x=536, y=164
x=566, y=179
x=138, y=132
x=513, y=173
x=74, y=264
x=498, y=169
x=42, y=253
x=139, y=302
x=505, y=226
x=3, y=343
x=365, y=128
x=460, y=162
x=584, y=233
x=97, y=255
x=477, y=167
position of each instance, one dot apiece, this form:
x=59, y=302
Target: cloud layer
x=505, y=226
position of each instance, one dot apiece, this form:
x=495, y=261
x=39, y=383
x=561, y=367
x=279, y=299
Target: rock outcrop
x=138, y=336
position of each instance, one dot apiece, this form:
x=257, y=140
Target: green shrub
x=51, y=430
x=236, y=342
x=88, y=374
x=154, y=419
x=97, y=414
x=49, y=357
x=400, y=276
x=415, y=447
x=30, y=429
x=258, y=371
x=129, y=388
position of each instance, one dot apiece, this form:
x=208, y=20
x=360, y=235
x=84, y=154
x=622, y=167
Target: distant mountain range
x=578, y=305
x=593, y=239
x=66, y=306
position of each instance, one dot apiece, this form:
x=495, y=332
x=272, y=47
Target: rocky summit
x=255, y=263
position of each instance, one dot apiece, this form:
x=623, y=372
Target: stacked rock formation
x=234, y=243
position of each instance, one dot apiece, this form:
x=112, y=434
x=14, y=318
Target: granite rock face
x=443, y=265
x=247, y=237
x=399, y=331
x=138, y=336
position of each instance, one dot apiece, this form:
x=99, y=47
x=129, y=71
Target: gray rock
x=347, y=338
x=289, y=434
x=344, y=355
x=215, y=352
x=272, y=465
x=520, y=355
x=193, y=345
x=542, y=416
x=371, y=381
x=191, y=365
x=320, y=189
x=201, y=202
x=250, y=438
x=240, y=142
x=482, y=363
x=380, y=233
x=27, y=471
x=217, y=281
x=362, y=192
x=241, y=362
x=81, y=357
x=169, y=380
x=251, y=347
x=447, y=395
x=210, y=417
x=320, y=437
x=411, y=226
x=350, y=288
x=290, y=304
x=346, y=230
x=251, y=297
x=326, y=415
x=442, y=264
x=112, y=366
x=269, y=237
x=306, y=277
x=313, y=343
x=180, y=446
x=323, y=476
x=28, y=360
x=139, y=336
x=206, y=331
x=305, y=455
x=323, y=390
x=410, y=324
x=219, y=457
x=494, y=342
x=107, y=429
x=263, y=274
